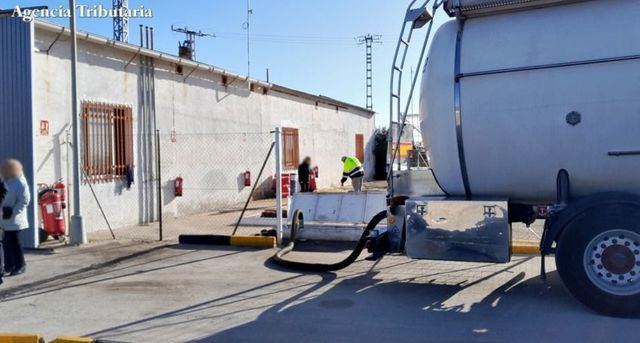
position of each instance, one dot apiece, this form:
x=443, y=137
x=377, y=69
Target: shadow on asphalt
x=99, y=273
x=366, y=308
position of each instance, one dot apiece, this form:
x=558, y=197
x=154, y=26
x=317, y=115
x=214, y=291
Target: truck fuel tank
x=440, y=228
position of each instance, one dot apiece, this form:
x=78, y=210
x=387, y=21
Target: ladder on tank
x=416, y=17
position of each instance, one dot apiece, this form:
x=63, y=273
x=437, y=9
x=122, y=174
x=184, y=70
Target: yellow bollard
x=254, y=241
x=69, y=339
x=20, y=338
x=525, y=248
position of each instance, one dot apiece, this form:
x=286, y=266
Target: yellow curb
x=266, y=242
x=69, y=339
x=525, y=248
x=20, y=338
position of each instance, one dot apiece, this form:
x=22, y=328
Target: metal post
x=77, y=234
x=253, y=189
x=67, y=145
x=159, y=179
x=278, y=140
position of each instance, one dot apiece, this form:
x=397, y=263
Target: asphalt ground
x=143, y=292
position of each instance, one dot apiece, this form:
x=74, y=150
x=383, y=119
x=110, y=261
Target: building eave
x=162, y=56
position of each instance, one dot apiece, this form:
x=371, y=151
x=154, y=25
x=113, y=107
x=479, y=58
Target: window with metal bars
x=290, y=147
x=107, y=132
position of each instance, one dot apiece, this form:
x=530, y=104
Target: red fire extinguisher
x=60, y=187
x=247, y=178
x=178, y=185
x=51, y=212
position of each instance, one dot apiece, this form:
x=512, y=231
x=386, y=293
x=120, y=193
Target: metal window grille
x=290, y=147
x=107, y=131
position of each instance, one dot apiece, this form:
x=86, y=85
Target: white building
x=127, y=92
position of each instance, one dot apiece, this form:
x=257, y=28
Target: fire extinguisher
x=178, y=185
x=51, y=213
x=60, y=187
x=247, y=178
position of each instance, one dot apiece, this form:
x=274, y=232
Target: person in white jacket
x=14, y=215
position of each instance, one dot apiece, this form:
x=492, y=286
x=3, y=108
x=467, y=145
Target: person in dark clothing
x=14, y=215
x=304, y=171
x=3, y=191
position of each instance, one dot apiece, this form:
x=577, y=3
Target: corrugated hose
x=321, y=267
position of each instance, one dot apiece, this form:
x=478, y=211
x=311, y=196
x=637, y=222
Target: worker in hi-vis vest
x=352, y=168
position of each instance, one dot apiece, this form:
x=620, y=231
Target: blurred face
x=11, y=169
x=307, y=160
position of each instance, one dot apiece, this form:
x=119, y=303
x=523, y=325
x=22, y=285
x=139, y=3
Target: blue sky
x=307, y=45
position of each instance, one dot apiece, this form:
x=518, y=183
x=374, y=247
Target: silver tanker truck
x=528, y=108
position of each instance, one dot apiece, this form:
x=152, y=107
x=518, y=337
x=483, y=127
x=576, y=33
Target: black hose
x=321, y=267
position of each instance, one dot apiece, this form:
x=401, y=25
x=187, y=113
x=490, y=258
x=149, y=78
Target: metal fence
x=220, y=173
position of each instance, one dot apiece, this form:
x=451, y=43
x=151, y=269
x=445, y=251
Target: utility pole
x=368, y=41
x=188, y=48
x=121, y=23
x=77, y=234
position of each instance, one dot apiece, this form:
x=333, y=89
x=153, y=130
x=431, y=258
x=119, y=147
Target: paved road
x=153, y=293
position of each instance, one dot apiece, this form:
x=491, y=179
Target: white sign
x=82, y=11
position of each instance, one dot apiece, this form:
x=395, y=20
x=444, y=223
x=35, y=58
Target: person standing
x=14, y=215
x=3, y=191
x=304, y=172
x=352, y=168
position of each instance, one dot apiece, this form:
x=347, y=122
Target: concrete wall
x=217, y=127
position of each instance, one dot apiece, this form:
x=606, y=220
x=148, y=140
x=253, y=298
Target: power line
x=288, y=39
x=367, y=41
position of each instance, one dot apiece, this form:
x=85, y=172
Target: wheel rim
x=612, y=262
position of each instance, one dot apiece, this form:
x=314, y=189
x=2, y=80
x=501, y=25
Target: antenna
x=368, y=41
x=187, y=49
x=121, y=22
x=247, y=26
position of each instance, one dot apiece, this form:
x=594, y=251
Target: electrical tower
x=121, y=23
x=368, y=41
x=187, y=49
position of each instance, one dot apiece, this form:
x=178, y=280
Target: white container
x=514, y=129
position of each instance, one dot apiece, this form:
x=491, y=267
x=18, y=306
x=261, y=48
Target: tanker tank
x=508, y=100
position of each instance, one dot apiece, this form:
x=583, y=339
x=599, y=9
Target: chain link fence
x=219, y=173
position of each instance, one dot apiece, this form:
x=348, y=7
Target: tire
x=598, y=259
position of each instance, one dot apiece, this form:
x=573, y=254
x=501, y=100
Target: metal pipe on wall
x=146, y=34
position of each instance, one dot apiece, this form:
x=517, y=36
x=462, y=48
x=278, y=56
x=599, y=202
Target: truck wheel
x=598, y=259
